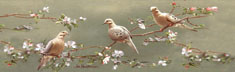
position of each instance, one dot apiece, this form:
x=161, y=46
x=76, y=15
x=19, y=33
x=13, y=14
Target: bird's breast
x=57, y=48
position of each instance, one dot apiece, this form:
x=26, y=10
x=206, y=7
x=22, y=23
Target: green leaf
x=2, y=25
x=58, y=22
x=69, y=27
x=75, y=25
x=62, y=16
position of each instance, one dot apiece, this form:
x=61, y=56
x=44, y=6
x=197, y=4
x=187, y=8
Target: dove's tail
x=185, y=26
x=43, y=61
x=132, y=45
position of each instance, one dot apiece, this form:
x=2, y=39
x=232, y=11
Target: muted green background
x=218, y=37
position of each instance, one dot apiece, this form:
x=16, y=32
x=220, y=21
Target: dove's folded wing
x=48, y=47
x=125, y=29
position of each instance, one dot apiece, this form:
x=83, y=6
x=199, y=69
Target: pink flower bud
x=214, y=9
x=173, y=3
x=208, y=9
x=192, y=8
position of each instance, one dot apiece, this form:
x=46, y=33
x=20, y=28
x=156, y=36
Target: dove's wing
x=172, y=18
x=48, y=46
x=129, y=40
x=125, y=29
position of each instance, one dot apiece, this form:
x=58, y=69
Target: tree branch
x=172, y=24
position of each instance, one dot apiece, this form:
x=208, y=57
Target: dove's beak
x=105, y=23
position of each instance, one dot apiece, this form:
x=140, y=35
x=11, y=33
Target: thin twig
x=172, y=10
x=152, y=32
x=137, y=27
x=26, y=16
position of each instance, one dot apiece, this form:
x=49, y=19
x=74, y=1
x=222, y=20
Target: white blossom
x=199, y=59
x=64, y=54
x=132, y=22
x=8, y=49
x=145, y=43
x=70, y=44
x=20, y=57
x=69, y=59
x=186, y=51
x=217, y=59
x=100, y=54
x=214, y=8
x=160, y=39
x=82, y=18
x=151, y=39
x=46, y=9
x=162, y=63
x=215, y=56
x=142, y=26
x=27, y=45
x=226, y=55
x=67, y=64
x=57, y=64
x=39, y=47
x=67, y=20
x=108, y=48
x=33, y=15
x=115, y=67
x=115, y=60
x=117, y=53
x=106, y=60
x=172, y=36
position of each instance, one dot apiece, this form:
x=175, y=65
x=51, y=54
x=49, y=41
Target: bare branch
x=172, y=10
x=137, y=27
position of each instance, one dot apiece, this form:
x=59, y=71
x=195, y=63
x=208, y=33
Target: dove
x=164, y=19
x=120, y=34
x=53, y=48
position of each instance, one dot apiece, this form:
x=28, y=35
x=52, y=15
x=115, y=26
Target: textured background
x=219, y=36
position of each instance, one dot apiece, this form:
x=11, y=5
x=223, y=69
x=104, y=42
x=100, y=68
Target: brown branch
x=215, y=52
x=4, y=42
x=190, y=22
x=26, y=16
x=110, y=45
x=86, y=48
x=8, y=15
x=197, y=50
x=169, y=25
x=86, y=56
x=172, y=10
x=152, y=32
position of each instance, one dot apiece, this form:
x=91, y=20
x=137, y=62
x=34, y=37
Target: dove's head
x=62, y=34
x=154, y=9
x=108, y=21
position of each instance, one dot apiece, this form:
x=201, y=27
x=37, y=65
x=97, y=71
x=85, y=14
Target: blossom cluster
x=171, y=37
x=68, y=22
x=40, y=13
x=196, y=58
x=197, y=11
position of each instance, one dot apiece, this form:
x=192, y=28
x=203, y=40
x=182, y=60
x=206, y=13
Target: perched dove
x=53, y=48
x=120, y=34
x=164, y=19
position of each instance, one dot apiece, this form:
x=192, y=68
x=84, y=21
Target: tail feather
x=43, y=61
x=132, y=45
x=185, y=26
